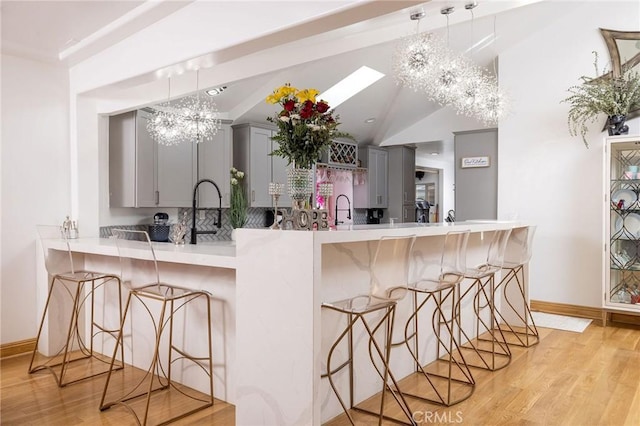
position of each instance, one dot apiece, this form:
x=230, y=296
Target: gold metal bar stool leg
x=520, y=325
x=163, y=306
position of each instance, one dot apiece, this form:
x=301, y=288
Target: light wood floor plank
x=590, y=378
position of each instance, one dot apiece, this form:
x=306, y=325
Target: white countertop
x=220, y=254
x=353, y=233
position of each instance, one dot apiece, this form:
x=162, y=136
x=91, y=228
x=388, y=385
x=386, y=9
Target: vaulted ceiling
x=66, y=32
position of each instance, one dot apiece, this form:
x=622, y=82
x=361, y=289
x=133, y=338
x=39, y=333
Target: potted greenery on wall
x=612, y=96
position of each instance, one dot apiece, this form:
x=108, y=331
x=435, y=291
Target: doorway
x=428, y=188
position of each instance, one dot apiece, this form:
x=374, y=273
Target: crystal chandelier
x=199, y=116
x=164, y=125
x=423, y=62
x=193, y=118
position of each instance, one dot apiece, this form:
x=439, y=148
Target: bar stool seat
x=452, y=383
x=488, y=344
x=389, y=270
x=134, y=388
x=70, y=285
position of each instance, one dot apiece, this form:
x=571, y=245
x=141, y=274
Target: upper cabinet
x=252, y=145
x=214, y=162
x=143, y=173
x=374, y=194
x=402, y=187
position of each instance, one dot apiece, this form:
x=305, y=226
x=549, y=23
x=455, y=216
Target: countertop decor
x=613, y=96
x=306, y=126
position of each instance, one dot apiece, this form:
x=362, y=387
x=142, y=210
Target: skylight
x=349, y=86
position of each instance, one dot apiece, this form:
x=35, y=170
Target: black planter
x=616, y=126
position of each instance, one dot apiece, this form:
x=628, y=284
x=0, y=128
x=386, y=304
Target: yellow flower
x=281, y=93
x=307, y=95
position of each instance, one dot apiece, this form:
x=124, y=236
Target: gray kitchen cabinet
x=252, y=145
x=143, y=173
x=402, y=188
x=214, y=162
x=375, y=193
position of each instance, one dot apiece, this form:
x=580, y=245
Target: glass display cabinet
x=622, y=226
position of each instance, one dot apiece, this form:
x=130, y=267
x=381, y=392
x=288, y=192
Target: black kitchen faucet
x=194, y=229
x=348, y=210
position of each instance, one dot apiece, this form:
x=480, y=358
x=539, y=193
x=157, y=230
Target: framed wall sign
x=469, y=162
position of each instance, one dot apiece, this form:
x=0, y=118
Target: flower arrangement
x=609, y=95
x=306, y=127
x=238, y=205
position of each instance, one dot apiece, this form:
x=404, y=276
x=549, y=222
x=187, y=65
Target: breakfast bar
x=270, y=335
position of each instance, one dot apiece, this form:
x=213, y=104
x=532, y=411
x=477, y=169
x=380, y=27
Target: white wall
x=546, y=175
x=35, y=180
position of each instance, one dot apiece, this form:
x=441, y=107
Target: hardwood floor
x=35, y=399
x=590, y=378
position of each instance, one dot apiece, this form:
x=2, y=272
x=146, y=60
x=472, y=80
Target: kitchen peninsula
x=270, y=335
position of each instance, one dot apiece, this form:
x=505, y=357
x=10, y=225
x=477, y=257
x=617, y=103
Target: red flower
x=307, y=110
x=322, y=107
x=289, y=105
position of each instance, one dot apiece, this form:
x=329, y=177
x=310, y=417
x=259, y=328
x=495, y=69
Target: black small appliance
x=374, y=216
x=159, y=231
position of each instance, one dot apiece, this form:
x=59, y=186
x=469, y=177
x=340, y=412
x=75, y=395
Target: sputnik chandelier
x=193, y=118
x=424, y=63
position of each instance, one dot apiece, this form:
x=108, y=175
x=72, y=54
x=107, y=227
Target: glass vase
x=299, y=186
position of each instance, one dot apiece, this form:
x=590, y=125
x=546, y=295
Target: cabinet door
x=409, y=213
x=622, y=224
x=381, y=199
x=176, y=175
x=260, y=167
x=145, y=163
x=408, y=175
x=214, y=162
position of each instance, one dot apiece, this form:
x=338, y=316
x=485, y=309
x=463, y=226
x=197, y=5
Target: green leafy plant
x=306, y=127
x=608, y=95
x=238, y=205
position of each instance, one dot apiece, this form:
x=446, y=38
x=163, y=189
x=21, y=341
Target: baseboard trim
x=17, y=348
x=582, y=312
x=566, y=309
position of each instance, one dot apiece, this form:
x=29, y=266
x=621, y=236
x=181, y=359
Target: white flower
x=240, y=174
x=295, y=116
x=234, y=181
x=233, y=170
x=284, y=118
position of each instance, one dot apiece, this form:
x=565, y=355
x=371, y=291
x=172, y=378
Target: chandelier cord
x=495, y=72
x=448, y=42
x=168, y=90
x=198, y=135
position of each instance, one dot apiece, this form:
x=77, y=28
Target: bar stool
x=517, y=255
x=439, y=285
x=389, y=272
x=139, y=264
x=483, y=290
x=78, y=287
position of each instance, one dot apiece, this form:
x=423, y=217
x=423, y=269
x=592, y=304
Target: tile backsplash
x=256, y=218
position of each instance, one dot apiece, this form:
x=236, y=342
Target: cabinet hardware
x=157, y=197
x=253, y=195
